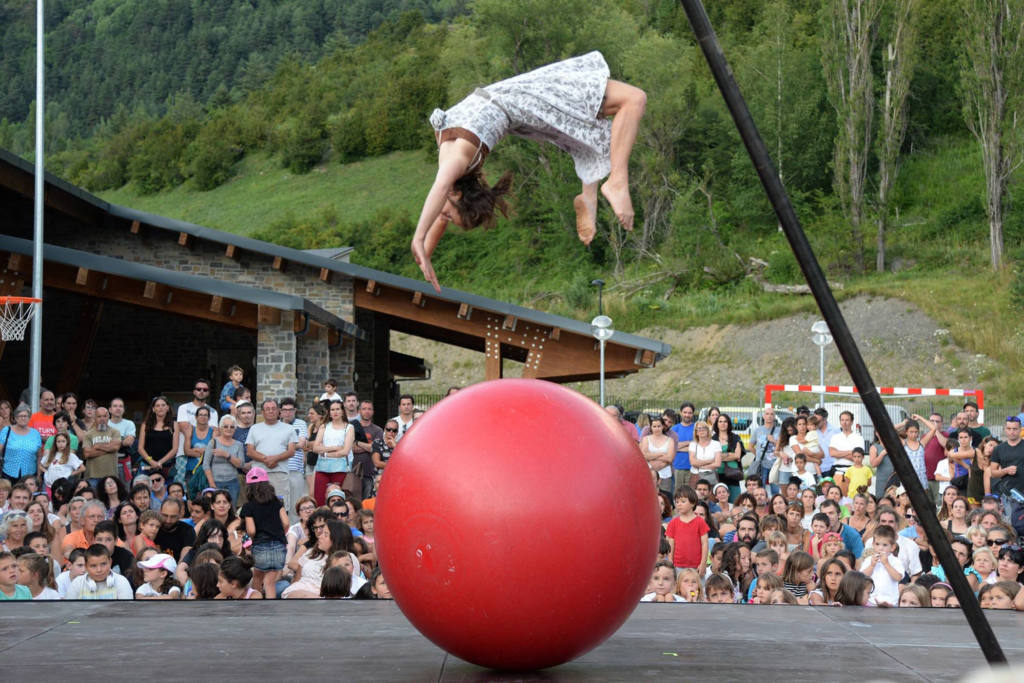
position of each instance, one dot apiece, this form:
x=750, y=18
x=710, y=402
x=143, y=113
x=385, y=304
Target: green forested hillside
x=330, y=145
x=107, y=55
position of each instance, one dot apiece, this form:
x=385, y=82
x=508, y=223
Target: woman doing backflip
x=567, y=104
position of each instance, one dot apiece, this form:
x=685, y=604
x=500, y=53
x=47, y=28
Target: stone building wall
x=287, y=364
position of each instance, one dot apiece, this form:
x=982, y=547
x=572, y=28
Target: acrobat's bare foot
x=586, y=217
x=617, y=195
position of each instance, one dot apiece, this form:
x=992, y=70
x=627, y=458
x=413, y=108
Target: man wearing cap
x=335, y=495
x=174, y=535
x=1008, y=465
x=270, y=444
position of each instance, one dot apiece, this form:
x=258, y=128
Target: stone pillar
x=312, y=362
x=275, y=354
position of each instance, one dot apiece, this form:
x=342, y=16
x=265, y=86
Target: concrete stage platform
x=368, y=640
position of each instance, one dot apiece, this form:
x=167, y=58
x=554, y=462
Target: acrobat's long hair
x=478, y=200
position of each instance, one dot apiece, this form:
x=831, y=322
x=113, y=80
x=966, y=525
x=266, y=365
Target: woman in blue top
x=201, y=435
x=20, y=447
x=567, y=104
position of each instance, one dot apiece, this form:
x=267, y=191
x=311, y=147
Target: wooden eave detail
x=147, y=294
x=548, y=353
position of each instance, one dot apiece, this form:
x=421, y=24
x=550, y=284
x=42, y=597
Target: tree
x=899, y=60
x=992, y=76
x=848, y=41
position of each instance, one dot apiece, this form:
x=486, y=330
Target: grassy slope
x=940, y=235
x=262, y=192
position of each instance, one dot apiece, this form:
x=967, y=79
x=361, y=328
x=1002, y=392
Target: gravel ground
x=901, y=345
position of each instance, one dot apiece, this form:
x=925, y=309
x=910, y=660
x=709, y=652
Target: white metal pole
x=821, y=399
x=602, y=373
x=36, y=356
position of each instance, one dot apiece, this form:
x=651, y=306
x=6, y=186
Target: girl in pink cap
x=265, y=522
x=158, y=574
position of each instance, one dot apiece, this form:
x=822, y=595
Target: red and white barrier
x=977, y=394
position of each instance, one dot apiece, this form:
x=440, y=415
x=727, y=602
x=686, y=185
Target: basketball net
x=15, y=314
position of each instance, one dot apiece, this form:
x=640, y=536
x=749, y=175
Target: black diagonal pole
x=837, y=325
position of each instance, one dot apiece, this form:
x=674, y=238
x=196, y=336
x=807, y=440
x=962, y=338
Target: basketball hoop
x=15, y=313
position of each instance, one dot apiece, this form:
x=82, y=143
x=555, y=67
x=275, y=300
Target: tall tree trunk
x=899, y=60
x=847, y=46
x=991, y=81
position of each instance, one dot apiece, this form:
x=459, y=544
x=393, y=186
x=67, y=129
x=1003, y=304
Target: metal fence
x=948, y=407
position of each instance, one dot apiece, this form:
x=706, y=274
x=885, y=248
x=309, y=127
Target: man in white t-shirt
x=270, y=444
x=404, y=417
x=187, y=413
x=127, y=429
x=841, y=446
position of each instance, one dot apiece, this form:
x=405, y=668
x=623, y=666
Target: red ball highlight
x=517, y=524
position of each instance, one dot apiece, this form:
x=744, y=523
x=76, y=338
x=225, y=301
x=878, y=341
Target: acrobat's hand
x=419, y=252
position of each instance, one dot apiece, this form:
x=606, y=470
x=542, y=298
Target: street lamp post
x=822, y=336
x=601, y=328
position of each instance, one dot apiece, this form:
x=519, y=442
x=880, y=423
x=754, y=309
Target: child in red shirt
x=687, y=533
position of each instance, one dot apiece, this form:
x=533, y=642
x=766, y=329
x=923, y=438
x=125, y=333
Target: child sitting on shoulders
x=229, y=392
x=330, y=391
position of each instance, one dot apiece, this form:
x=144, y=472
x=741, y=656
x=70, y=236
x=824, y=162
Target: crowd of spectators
x=819, y=517
x=237, y=501
x=228, y=500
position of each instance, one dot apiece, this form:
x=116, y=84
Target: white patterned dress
x=558, y=103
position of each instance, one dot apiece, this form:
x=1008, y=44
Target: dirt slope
x=901, y=345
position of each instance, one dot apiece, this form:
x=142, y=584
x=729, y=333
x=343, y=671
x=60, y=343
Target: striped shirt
x=297, y=463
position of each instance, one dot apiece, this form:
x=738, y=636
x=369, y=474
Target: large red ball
x=517, y=524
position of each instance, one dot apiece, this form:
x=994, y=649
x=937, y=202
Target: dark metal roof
x=660, y=349
x=333, y=253
x=193, y=283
